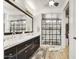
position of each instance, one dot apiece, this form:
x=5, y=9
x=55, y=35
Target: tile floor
x=44, y=53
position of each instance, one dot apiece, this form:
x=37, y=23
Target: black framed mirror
x=16, y=20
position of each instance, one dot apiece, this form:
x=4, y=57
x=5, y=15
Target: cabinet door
x=10, y=53
x=23, y=45
x=21, y=55
x=37, y=43
x=27, y=54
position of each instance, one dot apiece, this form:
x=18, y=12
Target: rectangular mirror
x=16, y=21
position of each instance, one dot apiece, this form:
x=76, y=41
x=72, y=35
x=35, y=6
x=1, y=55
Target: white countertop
x=13, y=40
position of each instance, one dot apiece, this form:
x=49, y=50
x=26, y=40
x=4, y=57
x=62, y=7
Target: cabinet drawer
x=10, y=52
x=21, y=55
x=23, y=45
x=9, y=57
x=24, y=54
x=28, y=53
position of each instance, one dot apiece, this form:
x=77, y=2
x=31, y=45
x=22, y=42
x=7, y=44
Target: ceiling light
x=51, y=3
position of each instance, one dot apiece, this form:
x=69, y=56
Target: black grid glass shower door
x=51, y=31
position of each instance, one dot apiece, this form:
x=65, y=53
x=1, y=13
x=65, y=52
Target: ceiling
x=10, y=9
x=37, y=5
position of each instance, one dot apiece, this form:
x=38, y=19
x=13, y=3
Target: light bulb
x=51, y=3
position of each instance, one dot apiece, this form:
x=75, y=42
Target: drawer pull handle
x=25, y=51
x=10, y=54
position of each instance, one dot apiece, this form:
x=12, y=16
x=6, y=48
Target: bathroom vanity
x=23, y=50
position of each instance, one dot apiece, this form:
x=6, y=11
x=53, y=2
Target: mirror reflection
x=16, y=21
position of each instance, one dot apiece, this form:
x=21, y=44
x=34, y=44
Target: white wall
x=72, y=20
x=38, y=18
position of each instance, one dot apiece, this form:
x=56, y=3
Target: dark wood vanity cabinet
x=24, y=50
x=21, y=55
x=10, y=53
